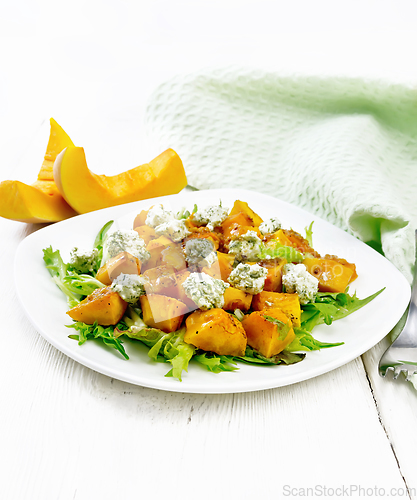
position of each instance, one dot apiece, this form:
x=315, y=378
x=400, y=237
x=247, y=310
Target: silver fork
x=401, y=356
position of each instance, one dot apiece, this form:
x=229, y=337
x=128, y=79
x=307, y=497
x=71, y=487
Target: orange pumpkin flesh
x=264, y=335
x=104, y=306
x=217, y=331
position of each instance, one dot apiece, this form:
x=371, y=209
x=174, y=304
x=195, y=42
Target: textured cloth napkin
x=344, y=149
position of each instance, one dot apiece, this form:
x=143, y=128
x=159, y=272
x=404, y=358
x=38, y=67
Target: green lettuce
x=309, y=233
x=184, y=214
x=216, y=363
x=59, y=271
x=304, y=341
x=167, y=347
x=83, y=284
x=106, y=335
x=284, y=357
x=279, y=251
x=99, y=243
x=329, y=307
x=74, y=286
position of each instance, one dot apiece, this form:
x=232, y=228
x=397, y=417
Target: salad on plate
x=218, y=286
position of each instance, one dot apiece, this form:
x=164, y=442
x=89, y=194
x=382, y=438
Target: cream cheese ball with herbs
x=125, y=240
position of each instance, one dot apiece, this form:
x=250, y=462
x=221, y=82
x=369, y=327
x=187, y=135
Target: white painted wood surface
x=70, y=433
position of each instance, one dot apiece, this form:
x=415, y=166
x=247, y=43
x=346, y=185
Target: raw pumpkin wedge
x=41, y=201
x=86, y=191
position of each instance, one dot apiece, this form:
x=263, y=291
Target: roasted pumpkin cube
x=146, y=233
x=163, y=280
x=350, y=265
x=265, y=336
x=273, y=280
x=162, y=312
x=243, y=207
x=177, y=291
x=300, y=243
x=281, y=238
x=236, y=299
x=103, y=305
x=123, y=262
x=204, y=232
x=140, y=219
x=332, y=275
x=173, y=255
x=217, y=331
x=289, y=303
x=225, y=261
x=234, y=231
x=213, y=271
x=155, y=248
x=159, y=279
x=238, y=219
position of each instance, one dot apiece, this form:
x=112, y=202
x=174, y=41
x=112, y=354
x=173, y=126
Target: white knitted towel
x=345, y=149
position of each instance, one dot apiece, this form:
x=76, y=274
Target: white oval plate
x=45, y=305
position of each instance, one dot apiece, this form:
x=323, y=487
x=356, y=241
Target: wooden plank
x=397, y=406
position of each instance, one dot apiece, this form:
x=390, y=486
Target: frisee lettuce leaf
x=82, y=284
x=183, y=213
x=216, y=363
x=279, y=251
x=99, y=242
x=59, y=271
x=309, y=233
x=95, y=331
x=167, y=347
x=74, y=286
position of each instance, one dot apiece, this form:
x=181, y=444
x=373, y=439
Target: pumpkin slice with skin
x=41, y=201
x=86, y=191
